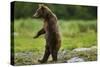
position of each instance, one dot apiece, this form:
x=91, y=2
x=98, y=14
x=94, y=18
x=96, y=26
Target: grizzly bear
x=51, y=31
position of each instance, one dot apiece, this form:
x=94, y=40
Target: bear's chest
x=45, y=26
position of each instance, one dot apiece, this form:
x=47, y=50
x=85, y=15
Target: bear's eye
x=40, y=11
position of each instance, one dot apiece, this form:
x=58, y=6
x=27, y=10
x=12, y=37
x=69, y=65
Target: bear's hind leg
x=54, y=55
x=46, y=55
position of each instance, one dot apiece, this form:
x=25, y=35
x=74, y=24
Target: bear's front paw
x=35, y=37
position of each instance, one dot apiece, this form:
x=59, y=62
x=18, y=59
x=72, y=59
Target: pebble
x=75, y=59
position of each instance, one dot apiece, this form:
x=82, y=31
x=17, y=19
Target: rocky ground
x=64, y=56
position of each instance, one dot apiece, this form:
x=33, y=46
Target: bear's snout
x=35, y=15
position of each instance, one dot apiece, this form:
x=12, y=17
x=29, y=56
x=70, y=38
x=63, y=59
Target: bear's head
x=43, y=11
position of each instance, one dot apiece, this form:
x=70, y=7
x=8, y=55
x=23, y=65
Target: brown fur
x=50, y=29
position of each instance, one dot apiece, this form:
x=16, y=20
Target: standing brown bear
x=50, y=29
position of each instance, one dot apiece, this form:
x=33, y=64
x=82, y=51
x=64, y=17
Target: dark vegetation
x=24, y=10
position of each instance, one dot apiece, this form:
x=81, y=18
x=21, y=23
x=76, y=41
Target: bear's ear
x=41, y=5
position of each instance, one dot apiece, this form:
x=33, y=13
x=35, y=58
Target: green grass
x=75, y=34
